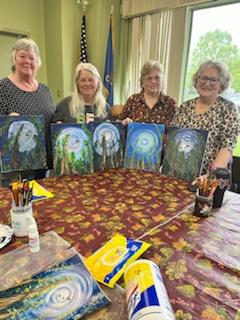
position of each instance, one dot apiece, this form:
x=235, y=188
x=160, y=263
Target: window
x=215, y=35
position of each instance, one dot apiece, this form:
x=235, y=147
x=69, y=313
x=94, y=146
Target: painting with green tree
x=72, y=149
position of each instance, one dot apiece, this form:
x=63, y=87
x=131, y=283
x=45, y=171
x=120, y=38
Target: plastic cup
x=203, y=205
x=20, y=218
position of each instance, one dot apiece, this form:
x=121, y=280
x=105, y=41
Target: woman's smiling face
x=208, y=83
x=152, y=82
x=87, y=84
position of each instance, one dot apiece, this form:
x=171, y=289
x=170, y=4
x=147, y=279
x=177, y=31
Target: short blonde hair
x=148, y=67
x=223, y=73
x=26, y=44
x=77, y=103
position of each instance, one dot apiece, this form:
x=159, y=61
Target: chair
x=116, y=110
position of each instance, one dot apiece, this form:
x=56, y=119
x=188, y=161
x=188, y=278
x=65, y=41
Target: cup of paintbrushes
x=203, y=205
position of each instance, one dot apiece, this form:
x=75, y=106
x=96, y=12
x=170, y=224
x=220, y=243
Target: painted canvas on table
x=144, y=146
x=22, y=143
x=184, y=153
x=65, y=291
x=108, y=144
x=72, y=149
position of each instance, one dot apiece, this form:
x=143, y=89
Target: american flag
x=83, y=44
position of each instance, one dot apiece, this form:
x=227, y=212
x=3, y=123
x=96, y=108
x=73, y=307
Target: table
x=199, y=257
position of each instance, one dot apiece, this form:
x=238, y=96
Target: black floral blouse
x=137, y=109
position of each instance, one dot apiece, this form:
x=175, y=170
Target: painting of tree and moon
x=22, y=143
x=184, y=153
x=108, y=144
x=143, y=149
x=72, y=149
x=65, y=291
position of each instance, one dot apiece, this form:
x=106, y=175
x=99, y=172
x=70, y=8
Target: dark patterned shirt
x=221, y=121
x=137, y=109
x=39, y=102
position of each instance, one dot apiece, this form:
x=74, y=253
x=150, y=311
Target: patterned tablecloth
x=199, y=258
x=200, y=262
x=88, y=210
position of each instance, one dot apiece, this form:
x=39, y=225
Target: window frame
x=187, y=40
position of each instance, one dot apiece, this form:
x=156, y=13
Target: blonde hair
x=148, y=67
x=26, y=44
x=77, y=103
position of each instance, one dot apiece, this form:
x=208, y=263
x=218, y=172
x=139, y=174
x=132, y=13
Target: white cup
x=21, y=218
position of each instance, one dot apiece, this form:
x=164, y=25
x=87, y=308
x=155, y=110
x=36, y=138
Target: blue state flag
x=108, y=75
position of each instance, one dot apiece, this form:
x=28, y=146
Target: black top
x=63, y=112
x=38, y=102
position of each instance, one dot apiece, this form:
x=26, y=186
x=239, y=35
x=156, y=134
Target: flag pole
x=109, y=65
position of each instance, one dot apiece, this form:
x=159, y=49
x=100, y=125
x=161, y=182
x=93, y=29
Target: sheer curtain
x=150, y=40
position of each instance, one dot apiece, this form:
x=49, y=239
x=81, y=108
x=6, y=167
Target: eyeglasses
x=213, y=81
x=150, y=79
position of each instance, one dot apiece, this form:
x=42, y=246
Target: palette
x=5, y=235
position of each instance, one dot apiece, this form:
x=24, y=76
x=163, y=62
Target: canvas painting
x=144, y=146
x=65, y=291
x=108, y=144
x=72, y=149
x=184, y=153
x=22, y=143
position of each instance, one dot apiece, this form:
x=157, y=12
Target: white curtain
x=133, y=8
x=151, y=35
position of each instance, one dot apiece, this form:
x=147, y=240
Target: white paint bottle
x=33, y=238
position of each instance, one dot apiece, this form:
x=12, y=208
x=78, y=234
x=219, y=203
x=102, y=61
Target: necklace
x=30, y=86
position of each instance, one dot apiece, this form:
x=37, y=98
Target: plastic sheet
x=20, y=265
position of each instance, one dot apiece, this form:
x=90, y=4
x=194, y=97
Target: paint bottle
x=33, y=238
x=147, y=297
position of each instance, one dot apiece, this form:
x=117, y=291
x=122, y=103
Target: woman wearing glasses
x=213, y=113
x=151, y=105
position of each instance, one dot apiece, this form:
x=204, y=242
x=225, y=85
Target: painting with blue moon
x=72, y=149
x=22, y=143
x=184, y=153
x=66, y=291
x=143, y=150
x=108, y=144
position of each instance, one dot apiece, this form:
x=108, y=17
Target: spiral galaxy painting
x=66, y=291
x=144, y=146
x=72, y=149
x=108, y=145
x=22, y=143
x=184, y=153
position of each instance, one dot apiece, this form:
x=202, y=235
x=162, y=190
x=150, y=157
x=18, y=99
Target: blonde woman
x=87, y=102
x=22, y=94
